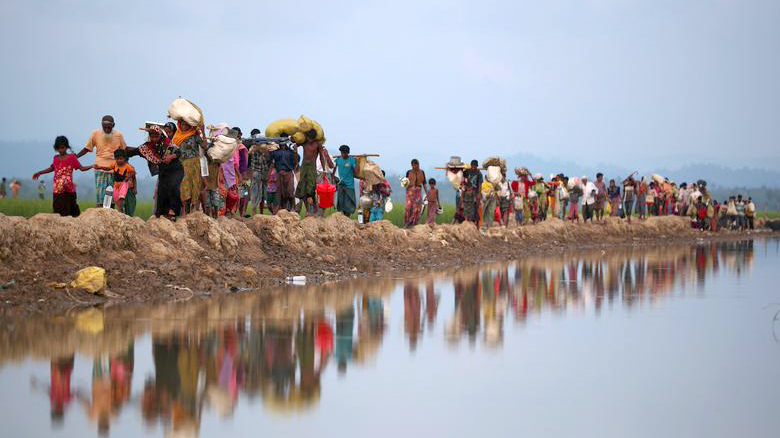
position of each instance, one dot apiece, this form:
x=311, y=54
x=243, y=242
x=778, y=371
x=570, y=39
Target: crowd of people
x=288, y=175
x=533, y=199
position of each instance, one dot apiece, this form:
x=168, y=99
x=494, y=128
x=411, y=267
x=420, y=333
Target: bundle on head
x=310, y=129
x=282, y=128
x=183, y=109
x=496, y=167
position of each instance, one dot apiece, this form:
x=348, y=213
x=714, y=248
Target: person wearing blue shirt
x=346, y=201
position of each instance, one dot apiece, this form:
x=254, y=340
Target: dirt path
x=158, y=261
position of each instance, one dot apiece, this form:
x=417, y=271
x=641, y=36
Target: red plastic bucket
x=326, y=192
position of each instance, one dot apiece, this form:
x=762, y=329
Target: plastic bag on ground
x=91, y=279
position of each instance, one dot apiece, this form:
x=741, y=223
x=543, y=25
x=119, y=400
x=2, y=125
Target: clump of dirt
x=159, y=260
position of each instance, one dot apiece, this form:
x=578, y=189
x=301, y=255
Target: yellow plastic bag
x=607, y=208
x=92, y=279
x=282, y=128
x=299, y=137
x=306, y=125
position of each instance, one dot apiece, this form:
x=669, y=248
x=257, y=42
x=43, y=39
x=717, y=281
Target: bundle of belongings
x=282, y=128
x=455, y=171
x=308, y=130
x=223, y=142
x=183, y=109
x=496, y=168
x=368, y=171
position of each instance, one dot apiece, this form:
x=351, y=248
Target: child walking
x=64, y=190
x=433, y=202
x=124, y=183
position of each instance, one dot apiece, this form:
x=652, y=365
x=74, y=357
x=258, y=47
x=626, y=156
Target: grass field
x=31, y=207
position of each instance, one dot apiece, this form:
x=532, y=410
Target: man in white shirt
x=589, y=192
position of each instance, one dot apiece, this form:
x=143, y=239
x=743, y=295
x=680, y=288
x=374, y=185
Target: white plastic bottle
x=109, y=198
x=360, y=216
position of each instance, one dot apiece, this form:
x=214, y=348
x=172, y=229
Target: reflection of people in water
x=172, y=395
x=431, y=302
x=60, y=394
x=100, y=408
x=492, y=308
x=412, y=313
x=371, y=327
x=467, y=305
x=345, y=324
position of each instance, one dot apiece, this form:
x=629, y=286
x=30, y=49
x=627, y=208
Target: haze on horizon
x=587, y=81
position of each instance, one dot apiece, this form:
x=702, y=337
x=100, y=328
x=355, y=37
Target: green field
x=31, y=207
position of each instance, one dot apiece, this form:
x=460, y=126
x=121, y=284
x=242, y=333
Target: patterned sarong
x=413, y=206
x=103, y=179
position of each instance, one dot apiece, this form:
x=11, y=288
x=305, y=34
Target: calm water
x=676, y=341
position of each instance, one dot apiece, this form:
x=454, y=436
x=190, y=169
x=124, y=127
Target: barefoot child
x=433, y=201
x=64, y=199
x=124, y=183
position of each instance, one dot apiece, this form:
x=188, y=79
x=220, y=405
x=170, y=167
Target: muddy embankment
x=157, y=260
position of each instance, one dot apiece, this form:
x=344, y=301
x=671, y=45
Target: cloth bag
x=223, y=148
x=183, y=109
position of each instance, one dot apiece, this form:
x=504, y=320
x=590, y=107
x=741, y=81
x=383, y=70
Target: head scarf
x=182, y=135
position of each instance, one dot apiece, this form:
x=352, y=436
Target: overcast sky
x=592, y=81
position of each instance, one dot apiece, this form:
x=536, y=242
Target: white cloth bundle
x=494, y=174
x=455, y=178
x=224, y=147
x=183, y=109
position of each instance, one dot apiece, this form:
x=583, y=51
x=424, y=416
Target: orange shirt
x=123, y=173
x=105, y=146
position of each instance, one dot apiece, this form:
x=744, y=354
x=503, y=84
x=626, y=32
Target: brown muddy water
x=672, y=341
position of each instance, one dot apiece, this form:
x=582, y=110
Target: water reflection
x=275, y=348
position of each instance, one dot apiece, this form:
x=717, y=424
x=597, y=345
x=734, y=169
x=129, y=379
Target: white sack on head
x=224, y=148
x=183, y=109
x=658, y=178
x=494, y=174
x=455, y=178
x=494, y=161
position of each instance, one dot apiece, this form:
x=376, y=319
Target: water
x=673, y=341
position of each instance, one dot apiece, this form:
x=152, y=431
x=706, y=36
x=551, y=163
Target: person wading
x=104, y=142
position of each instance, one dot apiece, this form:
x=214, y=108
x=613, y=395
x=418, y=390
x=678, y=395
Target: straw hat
x=455, y=162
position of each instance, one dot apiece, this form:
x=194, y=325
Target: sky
x=590, y=81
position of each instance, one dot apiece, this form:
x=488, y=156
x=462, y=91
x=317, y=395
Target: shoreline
x=157, y=261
